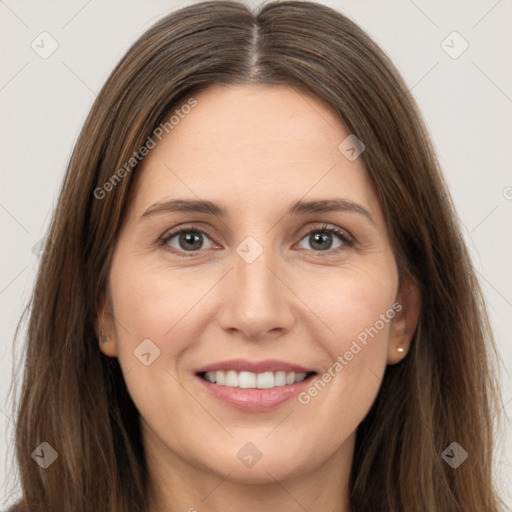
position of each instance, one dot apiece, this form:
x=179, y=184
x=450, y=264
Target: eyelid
x=346, y=237
x=341, y=232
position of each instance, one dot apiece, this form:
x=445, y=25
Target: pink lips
x=254, y=400
x=244, y=365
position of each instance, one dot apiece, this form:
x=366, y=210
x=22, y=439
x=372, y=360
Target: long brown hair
x=74, y=398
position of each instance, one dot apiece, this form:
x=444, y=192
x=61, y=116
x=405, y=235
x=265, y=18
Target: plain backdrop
x=466, y=102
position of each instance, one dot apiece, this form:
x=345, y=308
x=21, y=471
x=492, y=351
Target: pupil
x=319, y=238
x=191, y=237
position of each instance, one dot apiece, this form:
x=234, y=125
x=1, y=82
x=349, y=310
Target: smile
x=254, y=386
x=250, y=380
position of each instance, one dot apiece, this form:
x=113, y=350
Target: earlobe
x=404, y=324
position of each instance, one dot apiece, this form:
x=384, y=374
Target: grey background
x=466, y=102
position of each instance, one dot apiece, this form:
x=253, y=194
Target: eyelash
x=340, y=233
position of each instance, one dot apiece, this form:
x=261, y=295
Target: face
x=254, y=319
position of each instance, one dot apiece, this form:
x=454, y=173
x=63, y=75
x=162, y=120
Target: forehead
x=263, y=121
x=259, y=145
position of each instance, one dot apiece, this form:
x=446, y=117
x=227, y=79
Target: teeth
x=265, y=380
x=250, y=380
x=231, y=379
x=219, y=377
x=246, y=380
x=280, y=378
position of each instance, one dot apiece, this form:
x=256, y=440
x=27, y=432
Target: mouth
x=254, y=386
x=251, y=380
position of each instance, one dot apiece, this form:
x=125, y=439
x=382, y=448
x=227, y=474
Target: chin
x=267, y=465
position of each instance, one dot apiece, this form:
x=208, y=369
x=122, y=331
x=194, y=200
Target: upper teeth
x=247, y=380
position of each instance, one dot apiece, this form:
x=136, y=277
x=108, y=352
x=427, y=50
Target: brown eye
x=326, y=238
x=185, y=240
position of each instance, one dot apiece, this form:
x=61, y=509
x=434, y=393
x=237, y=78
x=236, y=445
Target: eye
x=186, y=239
x=326, y=238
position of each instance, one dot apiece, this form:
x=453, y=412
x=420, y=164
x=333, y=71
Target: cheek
x=157, y=314
x=357, y=306
x=152, y=301
x=353, y=304
x=359, y=313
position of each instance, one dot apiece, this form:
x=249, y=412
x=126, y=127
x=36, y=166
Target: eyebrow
x=297, y=208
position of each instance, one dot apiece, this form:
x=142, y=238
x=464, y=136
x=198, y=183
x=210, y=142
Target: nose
x=255, y=301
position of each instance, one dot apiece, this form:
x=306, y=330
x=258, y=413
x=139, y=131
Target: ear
x=104, y=326
x=404, y=323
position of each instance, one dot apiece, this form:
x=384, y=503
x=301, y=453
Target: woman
x=255, y=294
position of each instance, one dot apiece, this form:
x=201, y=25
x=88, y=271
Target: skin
x=253, y=150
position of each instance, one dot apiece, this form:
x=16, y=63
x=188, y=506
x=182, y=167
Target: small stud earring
x=400, y=349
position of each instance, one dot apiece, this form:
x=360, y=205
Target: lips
x=244, y=365
x=254, y=386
